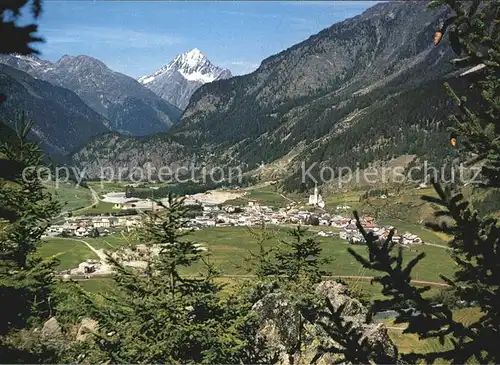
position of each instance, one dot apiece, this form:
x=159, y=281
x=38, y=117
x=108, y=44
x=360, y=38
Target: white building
x=81, y=232
x=102, y=223
x=316, y=199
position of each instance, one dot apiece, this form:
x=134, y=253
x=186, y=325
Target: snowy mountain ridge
x=179, y=79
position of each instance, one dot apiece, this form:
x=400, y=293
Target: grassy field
x=408, y=343
x=359, y=288
x=111, y=242
x=71, y=196
x=98, y=285
x=267, y=195
x=104, y=187
x=401, y=203
x=101, y=207
x=230, y=246
x=350, y=198
x=230, y=249
x=69, y=252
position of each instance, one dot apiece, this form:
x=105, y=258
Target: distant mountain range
x=63, y=121
x=80, y=97
x=178, y=80
x=363, y=90
x=126, y=105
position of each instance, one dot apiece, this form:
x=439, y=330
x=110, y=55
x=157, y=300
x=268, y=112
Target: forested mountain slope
x=367, y=88
x=62, y=121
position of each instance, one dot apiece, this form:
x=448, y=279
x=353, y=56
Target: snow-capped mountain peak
x=193, y=57
x=180, y=78
x=24, y=62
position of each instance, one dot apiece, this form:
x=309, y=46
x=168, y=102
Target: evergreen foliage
x=351, y=340
x=475, y=245
x=14, y=37
x=26, y=210
x=289, y=261
x=291, y=268
x=158, y=315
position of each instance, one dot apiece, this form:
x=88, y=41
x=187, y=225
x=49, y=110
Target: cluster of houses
x=253, y=214
x=351, y=233
x=93, y=226
x=256, y=214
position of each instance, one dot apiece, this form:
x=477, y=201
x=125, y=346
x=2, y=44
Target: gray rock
x=280, y=325
x=87, y=327
x=355, y=313
x=51, y=330
x=295, y=340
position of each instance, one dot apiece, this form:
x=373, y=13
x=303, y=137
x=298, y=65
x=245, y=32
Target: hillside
x=62, y=121
x=365, y=89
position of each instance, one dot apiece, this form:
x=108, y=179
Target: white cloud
x=109, y=37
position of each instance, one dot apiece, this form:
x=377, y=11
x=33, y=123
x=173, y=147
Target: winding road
x=99, y=253
x=436, y=245
x=95, y=200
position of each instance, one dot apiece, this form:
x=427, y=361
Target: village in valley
x=215, y=209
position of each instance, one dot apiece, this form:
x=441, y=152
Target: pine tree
x=473, y=31
x=16, y=38
x=26, y=210
x=350, y=340
x=291, y=270
x=289, y=261
x=159, y=315
x=300, y=257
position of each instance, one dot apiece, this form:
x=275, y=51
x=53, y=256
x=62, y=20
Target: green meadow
x=230, y=249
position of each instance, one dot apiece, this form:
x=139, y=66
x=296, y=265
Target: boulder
x=280, y=325
x=292, y=339
x=51, y=330
x=355, y=313
x=87, y=327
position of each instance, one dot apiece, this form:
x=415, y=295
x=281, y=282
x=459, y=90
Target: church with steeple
x=316, y=199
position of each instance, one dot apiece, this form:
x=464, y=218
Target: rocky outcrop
x=51, y=330
x=280, y=325
x=51, y=336
x=355, y=313
x=295, y=340
x=87, y=327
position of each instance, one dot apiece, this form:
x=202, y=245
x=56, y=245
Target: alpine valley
x=350, y=95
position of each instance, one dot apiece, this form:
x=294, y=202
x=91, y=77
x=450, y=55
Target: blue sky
x=138, y=37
